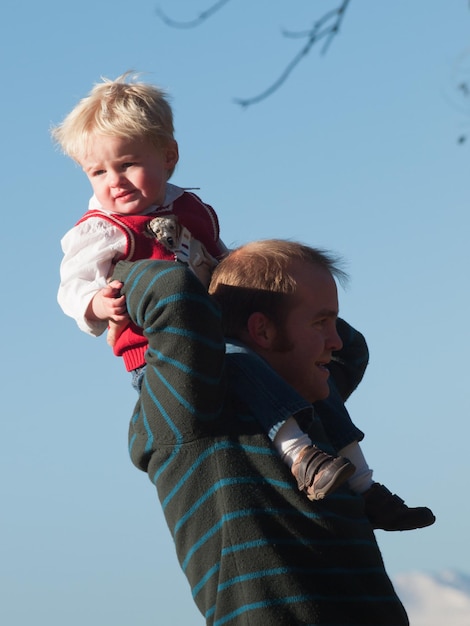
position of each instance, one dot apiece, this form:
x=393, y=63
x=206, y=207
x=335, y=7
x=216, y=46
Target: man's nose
x=335, y=341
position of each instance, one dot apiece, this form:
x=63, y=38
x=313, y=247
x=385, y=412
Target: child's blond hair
x=119, y=108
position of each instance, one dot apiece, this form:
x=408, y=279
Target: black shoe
x=318, y=473
x=387, y=511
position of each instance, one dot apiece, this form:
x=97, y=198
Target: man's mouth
x=323, y=365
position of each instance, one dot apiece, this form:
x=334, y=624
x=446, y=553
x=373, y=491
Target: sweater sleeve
x=349, y=364
x=89, y=250
x=183, y=389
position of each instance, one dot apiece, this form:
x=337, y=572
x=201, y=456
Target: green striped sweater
x=255, y=550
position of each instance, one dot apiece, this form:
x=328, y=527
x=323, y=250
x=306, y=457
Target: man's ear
x=261, y=330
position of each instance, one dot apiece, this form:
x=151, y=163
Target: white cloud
x=435, y=599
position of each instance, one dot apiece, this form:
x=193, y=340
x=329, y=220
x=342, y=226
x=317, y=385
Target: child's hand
x=108, y=304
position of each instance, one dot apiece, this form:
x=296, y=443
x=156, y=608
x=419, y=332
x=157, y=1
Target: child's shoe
x=387, y=511
x=318, y=473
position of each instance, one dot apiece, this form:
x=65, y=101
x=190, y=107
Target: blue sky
x=357, y=153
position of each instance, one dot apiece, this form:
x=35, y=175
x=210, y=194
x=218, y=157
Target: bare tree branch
x=459, y=95
x=338, y=13
x=326, y=28
x=202, y=17
x=322, y=29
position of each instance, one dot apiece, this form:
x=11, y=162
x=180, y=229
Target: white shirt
x=90, y=248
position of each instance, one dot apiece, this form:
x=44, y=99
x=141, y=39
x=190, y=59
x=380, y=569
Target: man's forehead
x=316, y=287
x=315, y=274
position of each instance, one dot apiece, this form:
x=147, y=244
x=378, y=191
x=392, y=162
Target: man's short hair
x=260, y=277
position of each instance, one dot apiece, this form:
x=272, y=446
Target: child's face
x=128, y=175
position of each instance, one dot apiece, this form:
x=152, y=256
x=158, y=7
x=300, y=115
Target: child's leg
x=345, y=437
x=384, y=509
x=290, y=440
x=361, y=480
x=272, y=400
x=278, y=407
x=137, y=378
x=336, y=420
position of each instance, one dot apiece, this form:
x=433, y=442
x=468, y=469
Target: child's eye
x=98, y=173
x=126, y=166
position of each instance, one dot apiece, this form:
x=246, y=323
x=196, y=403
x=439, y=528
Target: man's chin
x=321, y=393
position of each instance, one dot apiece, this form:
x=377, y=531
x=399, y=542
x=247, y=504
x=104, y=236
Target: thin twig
x=318, y=24
x=320, y=30
x=202, y=17
x=314, y=35
x=284, y=76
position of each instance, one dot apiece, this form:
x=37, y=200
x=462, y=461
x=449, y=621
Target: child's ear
x=261, y=330
x=171, y=155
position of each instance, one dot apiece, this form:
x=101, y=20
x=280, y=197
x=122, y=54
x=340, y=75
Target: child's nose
x=114, y=178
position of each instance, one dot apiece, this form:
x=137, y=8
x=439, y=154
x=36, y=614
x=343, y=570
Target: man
x=254, y=549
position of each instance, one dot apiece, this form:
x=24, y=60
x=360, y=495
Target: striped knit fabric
x=254, y=549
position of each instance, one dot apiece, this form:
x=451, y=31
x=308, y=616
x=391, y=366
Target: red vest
x=199, y=218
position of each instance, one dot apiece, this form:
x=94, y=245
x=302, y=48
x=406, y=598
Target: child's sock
x=361, y=480
x=289, y=440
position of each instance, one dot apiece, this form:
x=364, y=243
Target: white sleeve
x=89, y=251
